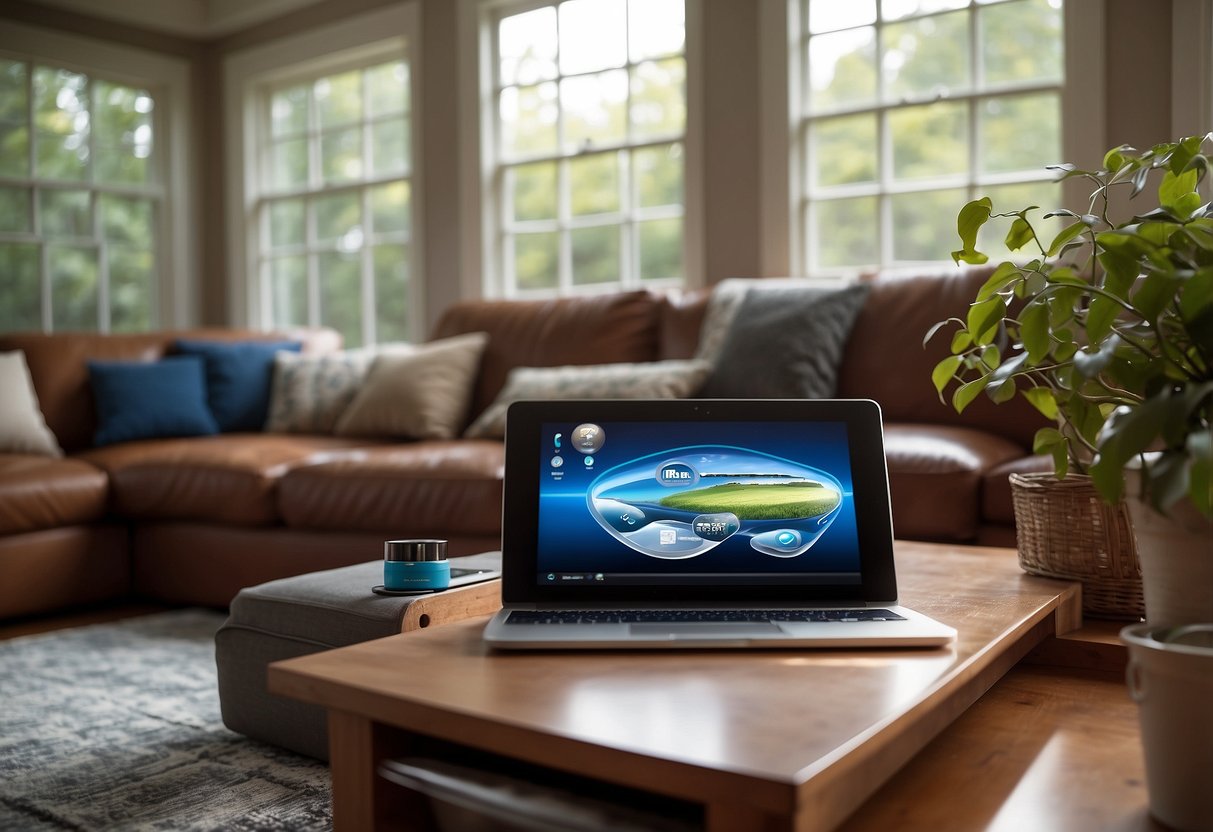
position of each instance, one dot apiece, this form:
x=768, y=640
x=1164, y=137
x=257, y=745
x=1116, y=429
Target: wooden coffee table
x=770, y=739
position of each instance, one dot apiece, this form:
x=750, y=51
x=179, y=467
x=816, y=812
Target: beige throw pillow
x=647, y=380
x=416, y=391
x=23, y=429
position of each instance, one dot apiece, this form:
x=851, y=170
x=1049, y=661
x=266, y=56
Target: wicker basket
x=1065, y=530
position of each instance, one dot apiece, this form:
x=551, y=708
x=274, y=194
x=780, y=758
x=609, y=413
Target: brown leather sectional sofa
x=194, y=520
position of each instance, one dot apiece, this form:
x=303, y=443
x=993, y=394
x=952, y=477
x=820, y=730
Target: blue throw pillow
x=142, y=400
x=238, y=377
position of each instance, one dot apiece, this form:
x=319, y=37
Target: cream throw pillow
x=417, y=391
x=646, y=380
x=23, y=429
x=310, y=392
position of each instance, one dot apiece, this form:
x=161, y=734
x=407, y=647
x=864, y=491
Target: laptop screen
x=715, y=500
x=626, y=503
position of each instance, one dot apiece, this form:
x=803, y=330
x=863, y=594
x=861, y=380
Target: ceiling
x=192, y=18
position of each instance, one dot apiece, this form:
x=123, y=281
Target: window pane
x=62, y=156
x=846, y=232
x=592, y=35
x=593, y=107
x=62, y=118
x=66, y=213
x=288, y=223
x=20, y=290
x=931, y=140
x=595, y=255
x=390, y=146
x=73, y=287
x=288, y=290
x=532, y=189
x=845, y=150
x=289, y=163
x=658, y=174
x=829, y=15
x=122, y=115
x=387, y=89
x=1046, y=195
x=14, y=101
x=15, y=210
x=924, y=224
x=655, y=28
x=1020, y=132
x=339, y=99
x=660, y=249
x=926, y=56
x=594, y=184
x=391, y=208
x=1022, y=41
x=127, y=221
x=341, y=295
x=894, y=9
x=288, y=111
x=658, y=105
x=535, y=259
x=125, y=163
x=842, y=69
x=528, y=120
x=391, y=293
x=339, y=217
x=527, y=46
x=14, y=151
x=341, y=155
x=130, y=281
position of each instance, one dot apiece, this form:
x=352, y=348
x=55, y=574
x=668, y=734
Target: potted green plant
x=1107, y=329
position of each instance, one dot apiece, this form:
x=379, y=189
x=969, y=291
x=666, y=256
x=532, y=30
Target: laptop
x=709, y=523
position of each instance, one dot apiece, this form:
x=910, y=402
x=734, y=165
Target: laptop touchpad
x=705, y=629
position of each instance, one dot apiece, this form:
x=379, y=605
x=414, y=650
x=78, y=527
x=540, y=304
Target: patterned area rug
x=116, y=726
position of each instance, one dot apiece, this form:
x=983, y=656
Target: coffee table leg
x=352, y=763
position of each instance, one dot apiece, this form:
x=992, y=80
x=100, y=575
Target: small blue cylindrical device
x=415, y=564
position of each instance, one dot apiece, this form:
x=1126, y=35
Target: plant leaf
x=966, y=393
x=944, y=372
x=1042, y=399
x=1021, y=234
x=1200, y=477
x=1003, y=275
x=968, y=223
x=1174, y=186
x=1155, y=293
x=984, y=317
x=1034, y=331
x=1065, y=235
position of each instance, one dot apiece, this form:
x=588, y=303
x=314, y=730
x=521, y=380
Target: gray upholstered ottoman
x=309, y=613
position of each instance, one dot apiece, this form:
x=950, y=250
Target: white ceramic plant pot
x=1170, y=676
x=1176, y=555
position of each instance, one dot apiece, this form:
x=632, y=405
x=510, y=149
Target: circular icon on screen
x=588, y=438
x=557, y=461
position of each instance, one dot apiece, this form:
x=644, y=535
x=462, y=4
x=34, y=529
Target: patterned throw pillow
x=310, y=392
x=649, y=380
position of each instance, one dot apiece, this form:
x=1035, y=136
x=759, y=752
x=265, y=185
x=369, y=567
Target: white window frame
x=173, y=184
x=247, y=75
x=784, y=173
x=484, y=271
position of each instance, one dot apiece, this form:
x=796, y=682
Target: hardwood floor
x=50, y=622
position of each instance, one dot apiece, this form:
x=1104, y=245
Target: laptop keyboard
x=685, y=616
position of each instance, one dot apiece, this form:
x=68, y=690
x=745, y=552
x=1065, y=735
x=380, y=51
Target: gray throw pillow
x=785, y=343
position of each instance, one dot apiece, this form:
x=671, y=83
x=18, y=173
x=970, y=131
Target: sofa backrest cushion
x=58, y=366
x=594, y=329
x=885, y=360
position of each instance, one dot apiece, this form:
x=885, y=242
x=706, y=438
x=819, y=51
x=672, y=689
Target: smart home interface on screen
x=683, y=503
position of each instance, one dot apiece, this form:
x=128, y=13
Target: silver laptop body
x=712, y=523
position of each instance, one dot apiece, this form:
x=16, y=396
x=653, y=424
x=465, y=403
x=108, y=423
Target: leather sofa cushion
x=424, y=489
x=39, y=492
x=996, y=505
x=680, y=319
x=935, y=474
x=230, y=478
x=597, y=329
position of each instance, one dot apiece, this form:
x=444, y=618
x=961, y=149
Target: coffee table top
x=780, y=729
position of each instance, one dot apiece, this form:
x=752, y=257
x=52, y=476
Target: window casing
x=903, y=110
x=588, y=136
x=83, y=199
